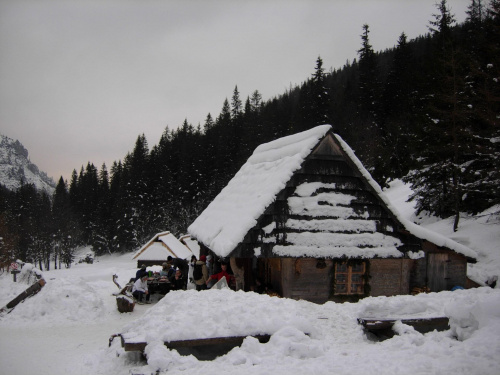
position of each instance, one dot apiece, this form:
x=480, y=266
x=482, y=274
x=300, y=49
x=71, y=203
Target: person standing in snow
x=140, y=289
x=200, y=267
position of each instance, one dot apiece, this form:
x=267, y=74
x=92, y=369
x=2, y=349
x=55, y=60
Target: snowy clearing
x=65, y=328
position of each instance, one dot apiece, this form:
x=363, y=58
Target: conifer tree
x=447, y=140
x=481, y=172
x=8, y=238
x=236, y=104
x=369, y=81
x=33, y=220
x=400, y=111
x=137, y=195
x=61, y=212
x=320, y=96
x=101, y=239
x=371, y=133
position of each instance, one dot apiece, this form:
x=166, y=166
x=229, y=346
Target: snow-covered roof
x=413, y=228
x=161, y=246
x=226, y=221
x=192, y=244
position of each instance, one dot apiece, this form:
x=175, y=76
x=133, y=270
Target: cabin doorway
x=436, y=271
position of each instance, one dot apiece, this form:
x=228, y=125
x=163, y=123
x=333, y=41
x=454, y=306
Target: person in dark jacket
x=178, y=282
x=201, y=284
x=141, y=272
x=180, y=264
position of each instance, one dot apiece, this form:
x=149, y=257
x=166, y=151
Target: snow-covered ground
x=65, y=328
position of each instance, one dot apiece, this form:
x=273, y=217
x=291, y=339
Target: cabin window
x=349, y=278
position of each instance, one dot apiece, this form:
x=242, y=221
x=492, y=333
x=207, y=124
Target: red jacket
x=220, y=275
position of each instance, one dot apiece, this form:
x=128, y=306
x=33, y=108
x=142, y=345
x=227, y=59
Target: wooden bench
x=203, y=349
x=382, y=328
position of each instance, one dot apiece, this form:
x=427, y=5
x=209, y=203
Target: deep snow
x=65, y=328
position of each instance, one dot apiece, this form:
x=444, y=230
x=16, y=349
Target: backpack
x=198, y=271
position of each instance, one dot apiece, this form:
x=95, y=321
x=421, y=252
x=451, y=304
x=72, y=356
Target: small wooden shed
x=306, y=217
x=158, y=248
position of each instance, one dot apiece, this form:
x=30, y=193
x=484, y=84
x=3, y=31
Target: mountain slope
x=15, y=167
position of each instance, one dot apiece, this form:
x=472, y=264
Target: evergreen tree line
x=426, y=111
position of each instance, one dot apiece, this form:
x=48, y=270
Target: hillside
x=15, y=166
x=479, y=232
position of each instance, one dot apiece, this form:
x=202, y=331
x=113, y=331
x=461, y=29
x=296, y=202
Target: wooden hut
x=306, y=217
x=158, y=248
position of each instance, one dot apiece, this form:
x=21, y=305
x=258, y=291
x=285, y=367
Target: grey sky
x=80, y=80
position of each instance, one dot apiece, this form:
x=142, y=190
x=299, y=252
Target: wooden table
x=161, y=286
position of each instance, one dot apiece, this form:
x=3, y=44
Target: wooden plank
x=233, y=340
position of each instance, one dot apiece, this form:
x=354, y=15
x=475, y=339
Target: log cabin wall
x=441, y=269
x=418, y=274
x=445, y=269
x=302, y=279
x=390, y=277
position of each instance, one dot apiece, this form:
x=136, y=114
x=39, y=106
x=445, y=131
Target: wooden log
x=35, y=288
x=32, y=290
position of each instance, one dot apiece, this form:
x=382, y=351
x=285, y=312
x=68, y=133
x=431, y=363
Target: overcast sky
x=80, y=80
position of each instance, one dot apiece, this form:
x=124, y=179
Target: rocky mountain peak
x=15, y=167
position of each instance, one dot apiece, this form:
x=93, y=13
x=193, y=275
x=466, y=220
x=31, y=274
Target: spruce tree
x=236, y=104
x=446, y=138
x=61, y=212
x=400, y=111
x=482, y=176
x=320, y=96
x=370, y=135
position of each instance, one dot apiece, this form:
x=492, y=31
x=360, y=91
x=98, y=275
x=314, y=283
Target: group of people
x=205, y=273
x=174, y=269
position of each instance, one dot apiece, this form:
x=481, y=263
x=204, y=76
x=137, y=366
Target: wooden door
x=436, y=271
